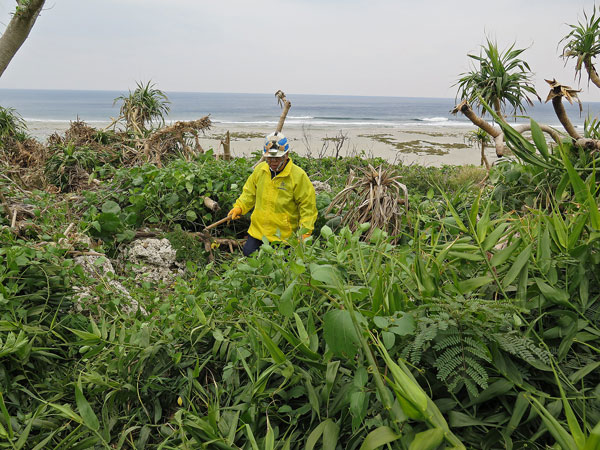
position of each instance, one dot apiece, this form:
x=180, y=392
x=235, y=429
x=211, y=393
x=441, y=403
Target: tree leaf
x=111, y=207
x=427, y=440
x=378, y=438
x=87, y=413
x=339, y=333
x=471, y=284
x=519, y=264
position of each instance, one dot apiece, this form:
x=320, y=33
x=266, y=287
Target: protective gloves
x=235, y=213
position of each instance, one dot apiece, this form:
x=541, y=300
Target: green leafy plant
x=69, y=166
x=144, y=106
x=501, y=78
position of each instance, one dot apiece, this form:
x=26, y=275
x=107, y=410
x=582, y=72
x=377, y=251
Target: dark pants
x=251, y=245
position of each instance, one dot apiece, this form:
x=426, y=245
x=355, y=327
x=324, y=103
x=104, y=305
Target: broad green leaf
x=539, y=139
x=339, y=333
x=302, y=334
x=331, y=432
x=563, y=438
x=378, y=438
x=519, y=264
x=521, y=405
x=326, y=274
x=277, y=355
x=471, y=284
x=251, y=437
x=560, y=229
x=319, y=431
x=544, y=252
x=579, y=187
x=109, y=222
x=6, y=416
x=286, y=301
x=474, y=211
x=465, y=255
x=427, y=440
x=403, y=326
x=111, y=207
x=87, y=413
x=574, y=427
x=330, y=376
x=578, y=375
x=493, y=238
x=25, y=434
x=66, y=411
x=501, y=256
x=191, y=215
x=551, y=293
x=270, y=437
x=496, y=389
x=593, y=440
x=576, y=229
x=458, y=419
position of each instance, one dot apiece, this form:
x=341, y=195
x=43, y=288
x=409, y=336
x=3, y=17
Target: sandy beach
x=427, y=145
x=424, y=144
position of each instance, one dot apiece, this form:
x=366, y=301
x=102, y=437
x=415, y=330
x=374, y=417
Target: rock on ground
x=98, y=267
x=151, y=260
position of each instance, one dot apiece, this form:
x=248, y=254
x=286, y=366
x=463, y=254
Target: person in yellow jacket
x=281, y=194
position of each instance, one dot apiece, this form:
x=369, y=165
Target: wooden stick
x=5, y=205
x=217, y=223
x=66, y=234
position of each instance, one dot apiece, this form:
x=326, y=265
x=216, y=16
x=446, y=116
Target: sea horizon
x=49, y=110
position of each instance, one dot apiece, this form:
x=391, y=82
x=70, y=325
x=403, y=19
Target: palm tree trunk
x=466, y=109
x=497, y=108
x=591, y=70
x=484, y=159
x=559, y=109
x=17, y=30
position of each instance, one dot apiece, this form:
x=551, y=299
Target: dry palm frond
x=376, y=197
x=560, y=90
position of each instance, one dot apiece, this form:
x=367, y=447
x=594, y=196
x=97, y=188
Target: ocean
x=48, y=110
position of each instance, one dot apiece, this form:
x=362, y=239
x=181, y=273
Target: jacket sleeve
x=247, y=200
x=305, y=198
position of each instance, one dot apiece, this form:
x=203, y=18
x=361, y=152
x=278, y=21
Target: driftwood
x=286, y=105
x=211, y=204
x=496, y=132
x=226, y=143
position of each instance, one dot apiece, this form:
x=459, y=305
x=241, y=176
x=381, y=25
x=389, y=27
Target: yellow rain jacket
x=281, y=205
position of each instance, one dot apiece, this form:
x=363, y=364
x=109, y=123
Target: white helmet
x=276, y=145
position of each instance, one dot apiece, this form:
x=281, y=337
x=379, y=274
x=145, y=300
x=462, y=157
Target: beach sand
x=427, y=145
x=423, y=144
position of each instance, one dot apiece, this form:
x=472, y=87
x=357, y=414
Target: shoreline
x=423, y=144
x=426, y=145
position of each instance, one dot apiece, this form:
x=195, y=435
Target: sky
x=349, y=47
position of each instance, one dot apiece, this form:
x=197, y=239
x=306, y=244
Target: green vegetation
x=500, y=78
x=465, y=317
x=478, y=329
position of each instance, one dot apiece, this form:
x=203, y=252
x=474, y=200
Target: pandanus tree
x=502, y=80
x=479, y=138
x=142, y=107
x=583, y=45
